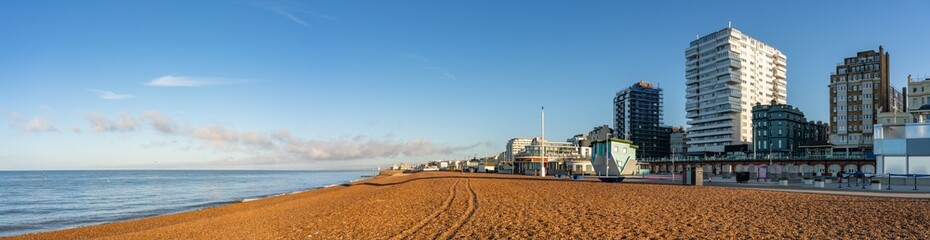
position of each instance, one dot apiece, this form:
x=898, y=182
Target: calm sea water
x=35, y=201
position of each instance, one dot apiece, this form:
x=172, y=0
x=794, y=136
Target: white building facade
x=515, y=146
x=726, y=73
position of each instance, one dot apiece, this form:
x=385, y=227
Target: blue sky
x=355, y=84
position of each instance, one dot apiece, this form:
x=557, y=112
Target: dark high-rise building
x=638, y=118
x=783, y=128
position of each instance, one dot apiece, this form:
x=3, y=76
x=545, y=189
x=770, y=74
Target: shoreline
x=195, y=208
x=464, y=205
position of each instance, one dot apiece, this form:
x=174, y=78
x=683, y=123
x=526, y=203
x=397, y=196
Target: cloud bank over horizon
x=279, y=146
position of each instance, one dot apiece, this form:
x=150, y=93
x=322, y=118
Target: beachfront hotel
x=860, y=89
x=515, y=146
x=638, y=118
x=726, y=73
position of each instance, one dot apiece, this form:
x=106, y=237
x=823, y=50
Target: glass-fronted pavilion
x=902, y=148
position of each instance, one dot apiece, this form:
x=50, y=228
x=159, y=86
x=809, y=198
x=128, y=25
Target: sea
x=37, y=201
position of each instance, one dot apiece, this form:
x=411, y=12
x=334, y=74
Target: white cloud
x=38, y=124
x=418, y=58
x=443, y=73
x=290, y=16
x=162, y=123
x=256, y=139
x=13, y=117
x=76, y=130
x=296, y=14
x=189, y=81
x=108, y=95
x=217, y=137
x=99, y=123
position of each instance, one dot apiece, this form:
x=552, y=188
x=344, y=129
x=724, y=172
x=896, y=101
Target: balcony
x=709, y=126
x=710, y=119
x=691, y=106
x=713, y=140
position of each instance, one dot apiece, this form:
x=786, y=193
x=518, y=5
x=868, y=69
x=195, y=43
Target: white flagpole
x=542, y=141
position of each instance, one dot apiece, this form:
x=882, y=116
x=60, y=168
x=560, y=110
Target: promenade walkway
x=849, y=189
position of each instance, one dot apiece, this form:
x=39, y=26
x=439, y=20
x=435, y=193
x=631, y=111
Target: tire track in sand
x=433, y=216
x=472, y=206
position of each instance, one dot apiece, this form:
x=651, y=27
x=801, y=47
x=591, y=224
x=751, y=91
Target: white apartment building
x=726, y=73
x=515, y=146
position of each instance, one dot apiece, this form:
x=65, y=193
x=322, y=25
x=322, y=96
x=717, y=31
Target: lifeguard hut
x=614, y=157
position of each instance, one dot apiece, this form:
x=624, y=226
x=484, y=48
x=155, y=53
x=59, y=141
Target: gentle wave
x=35, y=201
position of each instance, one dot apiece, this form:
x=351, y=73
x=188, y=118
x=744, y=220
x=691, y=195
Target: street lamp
x=673, y=169
x=770, y=158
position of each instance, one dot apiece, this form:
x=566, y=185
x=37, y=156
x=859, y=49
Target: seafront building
x=860, y=89
x=614, y=157
x=530, y=160
x=678, y=139
x=902, y=148
x=781, y=128
x=726, y=73
x=894, y=118
x=515, y=146
x=638, y=118
x=918, y=95
x=600, y=133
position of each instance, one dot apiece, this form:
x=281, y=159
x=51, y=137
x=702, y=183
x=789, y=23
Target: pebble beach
x=445, y=205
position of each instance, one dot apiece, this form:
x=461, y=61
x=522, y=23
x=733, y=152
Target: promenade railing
x=905, y=177
x=763, y=157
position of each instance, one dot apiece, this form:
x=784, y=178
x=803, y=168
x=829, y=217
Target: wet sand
x=486, y=206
